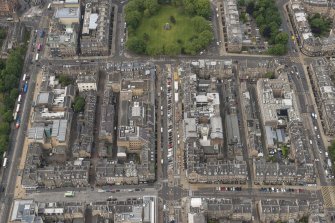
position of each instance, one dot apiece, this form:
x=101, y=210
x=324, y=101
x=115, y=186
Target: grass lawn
x=179, y=33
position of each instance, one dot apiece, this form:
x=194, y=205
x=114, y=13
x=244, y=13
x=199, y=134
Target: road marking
x=328, y=194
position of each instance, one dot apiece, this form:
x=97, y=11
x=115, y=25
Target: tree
x=152, y=6
x=7, y=116
x=277, y=49
x=3, y=143
x=136, y=45
x=172, y=19
x=146, y=37
x=281, y=38
x=14, y=93
x=189, y=7
x=79, y=104
x=250, y=7
x=2, y=33
x=203, y=8
x=241, y=3
x=270, y=75
x=243, y=17
x=200, y=24
x=205, y=38
x=260, y=20
x=266, y=32
x=133, y=19
x=65, y=80
x=134, y=5
x=4, y=128
x=11, y=81
x=172, y=49
x=320, y=26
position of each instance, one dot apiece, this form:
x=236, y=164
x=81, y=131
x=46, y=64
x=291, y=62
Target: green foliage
x=303, y=219
x=198, y=42
x=202, y=8
x=65, y=80
x=152, y=6
x=241, y=3
x=243, y=17
x=4, y=128
x=3, y=143
x=331, y=150
x=133, y=19
x=136, y=45
x=10, y=72
x=172, y=19
x=285, y=151
x=79, y=104
x=200, y=24
x=281, y=38
x=197, y=7
x=250, y=7
x=270, y=75
x=268, y=20
x=3, y=35
x=7, y=116
x=146, y=19
x=136, y=9
x=320, y=25
x=278, y=49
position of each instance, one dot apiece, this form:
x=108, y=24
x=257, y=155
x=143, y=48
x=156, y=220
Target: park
x=169, y=30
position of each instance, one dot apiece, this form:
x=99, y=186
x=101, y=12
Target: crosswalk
x=328, y=194
x=294, y=59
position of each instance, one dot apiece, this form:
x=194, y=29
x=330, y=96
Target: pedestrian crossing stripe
x=328, y=194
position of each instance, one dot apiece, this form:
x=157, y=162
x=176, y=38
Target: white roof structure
x=196, y=202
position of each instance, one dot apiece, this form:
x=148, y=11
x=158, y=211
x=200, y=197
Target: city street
x=171, y=185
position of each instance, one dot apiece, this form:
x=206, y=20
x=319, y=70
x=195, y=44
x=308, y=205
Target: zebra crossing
x=328, y=194
x=294, y=59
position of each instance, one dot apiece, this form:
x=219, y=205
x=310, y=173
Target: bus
x=19, y=98
x=4, y=163
x=49, y=6
x=17, y=108
x=9, y=19
x=15, y=116
x=24, y=77
x=39, y=47
x=36, y=58
x=25, y=87
x=69, y=194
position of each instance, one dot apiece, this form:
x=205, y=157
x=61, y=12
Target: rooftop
x=63, y=13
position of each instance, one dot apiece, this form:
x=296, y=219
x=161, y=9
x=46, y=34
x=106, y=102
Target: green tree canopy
x=277, y=49
x=133, y=19
x=79, y=104
x=320, y=25
x=282, y=38
x=152, y=6
x=4, y=128
x=3, y=143
x=200, y=24
x=136, y=45
x=203, y=8
x=65, y=80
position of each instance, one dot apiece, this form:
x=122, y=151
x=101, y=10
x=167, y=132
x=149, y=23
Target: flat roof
x=67, y=13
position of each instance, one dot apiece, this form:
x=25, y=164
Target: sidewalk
x=19, y=192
